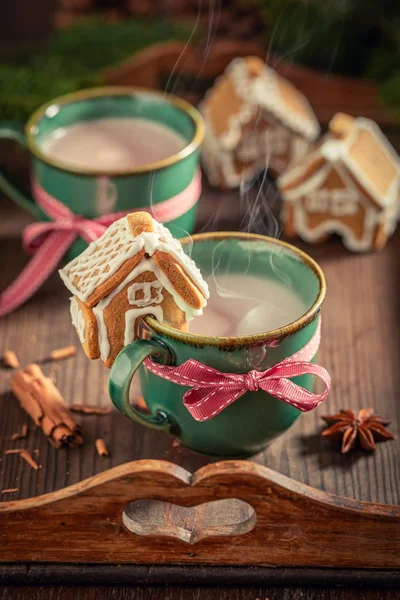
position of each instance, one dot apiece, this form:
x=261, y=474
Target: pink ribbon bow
x=212, y=391
x=49, y=241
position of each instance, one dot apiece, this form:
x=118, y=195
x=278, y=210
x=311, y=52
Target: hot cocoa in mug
x=112, y=144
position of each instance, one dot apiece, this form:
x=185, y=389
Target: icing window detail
x=252, y=146
x=277, y=140
x=344, y=203
x=274, y=140
x=318, y=201
x=146, y=288
x=339, y=202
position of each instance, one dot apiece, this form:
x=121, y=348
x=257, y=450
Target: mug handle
x=13, y=130
x=122, y=371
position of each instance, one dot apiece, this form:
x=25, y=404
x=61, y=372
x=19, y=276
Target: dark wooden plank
x=73, y=574
x=360, y=348
x=183, y=593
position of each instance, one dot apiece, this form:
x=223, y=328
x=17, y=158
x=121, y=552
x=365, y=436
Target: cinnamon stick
x=26, y=456
x=10, y=359
x=40, y=398
x=21, y=434
x=89, y=410
x=61, y=353
x=101, y=448
x=9, y=491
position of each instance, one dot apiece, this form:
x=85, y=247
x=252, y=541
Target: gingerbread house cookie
x=135, y=268
x=349, y=184
x=254, y=119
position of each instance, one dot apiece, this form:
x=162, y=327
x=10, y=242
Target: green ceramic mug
x=93, y=194
x=251, y=422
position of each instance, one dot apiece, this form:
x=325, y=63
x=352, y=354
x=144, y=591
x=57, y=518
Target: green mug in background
x=93, y=194
x=247, y=425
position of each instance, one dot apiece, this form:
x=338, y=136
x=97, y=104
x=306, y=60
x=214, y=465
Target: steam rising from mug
x=257, y=200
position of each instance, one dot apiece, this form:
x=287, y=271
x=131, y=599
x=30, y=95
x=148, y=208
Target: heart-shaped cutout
x=189, y=524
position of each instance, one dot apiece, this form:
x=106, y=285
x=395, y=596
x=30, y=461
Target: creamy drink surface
x=245, y=305
x=112, y=144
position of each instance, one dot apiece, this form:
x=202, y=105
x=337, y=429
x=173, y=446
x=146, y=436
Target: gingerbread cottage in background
x=349, y=184
x=135, y=268
x=254, y=119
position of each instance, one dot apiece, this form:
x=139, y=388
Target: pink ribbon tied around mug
x=212, y=391
x=49, y=241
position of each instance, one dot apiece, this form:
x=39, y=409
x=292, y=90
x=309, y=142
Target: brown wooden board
x=360, y=347
x=200, y=575
x=291, y=525
x=189, y=71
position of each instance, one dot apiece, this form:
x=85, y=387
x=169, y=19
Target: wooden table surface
x=192, y=593
x=360, y=348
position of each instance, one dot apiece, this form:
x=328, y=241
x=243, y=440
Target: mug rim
x=243, y=340
x=105, y=91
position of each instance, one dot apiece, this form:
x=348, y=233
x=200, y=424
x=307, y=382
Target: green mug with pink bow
x=235, y=381
x=82, y=148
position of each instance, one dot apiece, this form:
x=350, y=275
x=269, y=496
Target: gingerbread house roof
x=357, y=144
x=134, y=239
x=246, y=86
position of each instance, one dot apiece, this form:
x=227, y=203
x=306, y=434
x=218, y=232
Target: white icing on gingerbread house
x=349, y=184
x=254, y=119
x=123, y=276
x=78, y=320
x=146, y=288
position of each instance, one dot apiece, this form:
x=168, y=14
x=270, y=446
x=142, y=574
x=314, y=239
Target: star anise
x=366, y=428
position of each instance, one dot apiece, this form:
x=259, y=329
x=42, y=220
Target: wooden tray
x=310, y=512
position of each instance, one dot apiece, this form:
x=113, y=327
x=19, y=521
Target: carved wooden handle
x=296, y=525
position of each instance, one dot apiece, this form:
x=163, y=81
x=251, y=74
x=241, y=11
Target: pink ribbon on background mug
x=212, y=391
x=49, y=241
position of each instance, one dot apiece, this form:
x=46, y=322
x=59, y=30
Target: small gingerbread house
x=135, y=268
x=254, y=120
x=349, y=184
